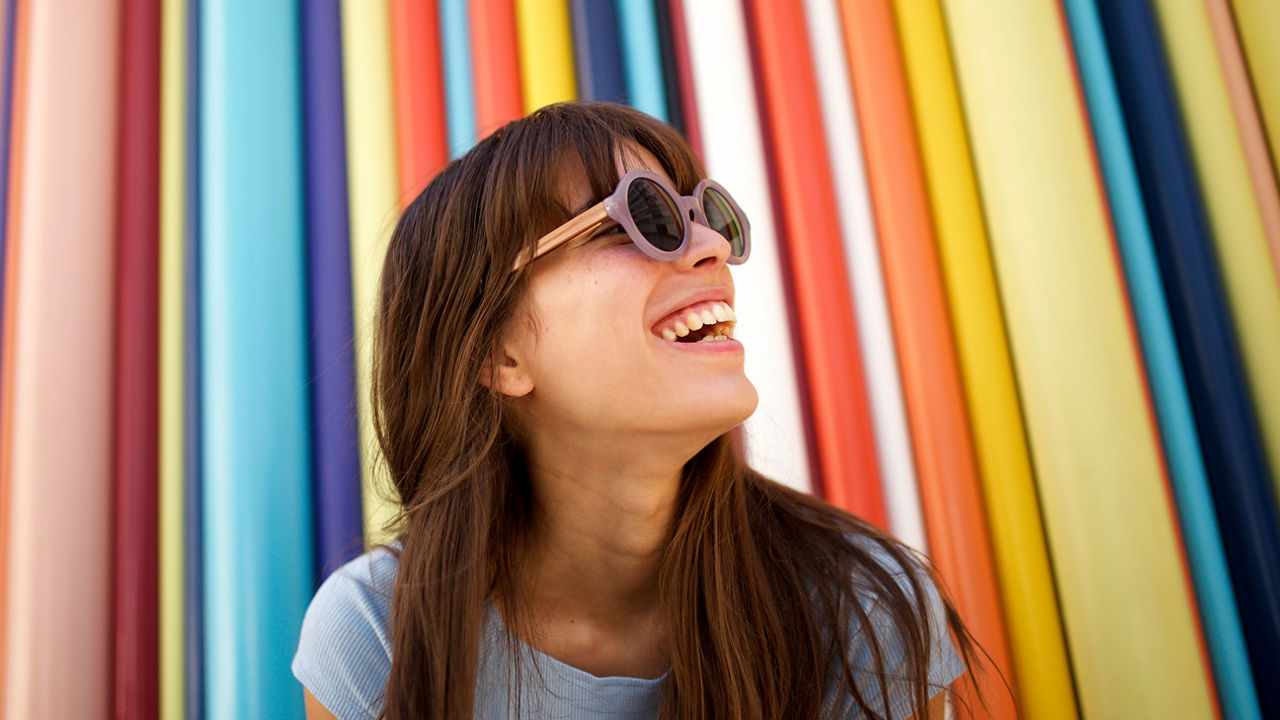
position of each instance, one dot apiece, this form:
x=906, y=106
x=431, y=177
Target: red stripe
x=136, y=688
x=495, y=64
x=846, y=463
x=419, y=94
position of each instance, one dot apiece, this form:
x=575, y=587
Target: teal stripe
x=256, y=459
x=460, y=102
x=1205, y=555
x=642, y=57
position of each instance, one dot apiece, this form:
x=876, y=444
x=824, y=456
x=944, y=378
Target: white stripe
x=862, y=256
x=731, y=142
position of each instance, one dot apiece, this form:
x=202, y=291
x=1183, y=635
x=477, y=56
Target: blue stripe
x=597, y=51
x=460, y=102
x=1225, y=419
x=642, y=58
x=1187, y=474
x=257, y=455
x=336, y=450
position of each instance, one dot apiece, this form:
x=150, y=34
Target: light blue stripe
x=1217, y=602
x=642, y=58
x=256, y=459
x=460, y=102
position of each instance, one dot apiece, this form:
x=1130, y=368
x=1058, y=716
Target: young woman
x=556, y=386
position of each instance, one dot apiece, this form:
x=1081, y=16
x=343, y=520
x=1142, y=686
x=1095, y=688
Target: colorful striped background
x=1014, y=295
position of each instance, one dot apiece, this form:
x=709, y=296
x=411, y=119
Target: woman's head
x=570, y=346
x=478, y=367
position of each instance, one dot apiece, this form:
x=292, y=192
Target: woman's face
x=591, y=336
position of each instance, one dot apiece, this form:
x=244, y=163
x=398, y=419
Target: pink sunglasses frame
x=615, y=208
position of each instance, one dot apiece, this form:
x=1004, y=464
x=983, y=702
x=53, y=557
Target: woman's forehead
x=627, y=156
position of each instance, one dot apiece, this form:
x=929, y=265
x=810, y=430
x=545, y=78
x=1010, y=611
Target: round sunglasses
x=657, y=218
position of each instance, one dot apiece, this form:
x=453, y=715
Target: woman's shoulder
x=914, y=586
x=344, y=649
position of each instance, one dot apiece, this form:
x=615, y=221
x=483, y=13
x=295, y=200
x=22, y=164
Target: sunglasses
x=657, y=218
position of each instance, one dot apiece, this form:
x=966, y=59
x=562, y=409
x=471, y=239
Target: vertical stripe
x=58, y=626
x=954, y=515
x=1177, y=424
x=671, y=88
x=8, y=332
x=1249, y=124
x=335, y=426
x=135, y=659
x=1013, y=509
x=721, y=69
x=1094, y=451
x=1253, y=293
x=422, y=133
x=7, y=18
x=1257, y=21
x=642, y=58
x=495, y=63
x=862, y=260
x=546, y=52
x=173, y=48
x=193, y=431
x=459, y=101
x=1233, y=451
x=371, y=174
x=848, y=470
x=681, y=64
x=256, y=405
x=597, y=50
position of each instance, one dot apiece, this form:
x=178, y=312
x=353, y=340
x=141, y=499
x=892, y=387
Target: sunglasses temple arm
x=586, y=222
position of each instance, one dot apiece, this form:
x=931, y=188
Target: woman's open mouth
x=708, y=321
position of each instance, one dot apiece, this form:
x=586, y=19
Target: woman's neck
x=597, y=541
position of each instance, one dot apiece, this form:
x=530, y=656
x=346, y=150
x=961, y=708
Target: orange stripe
x=495, y=64
x=846, y=463
x=955, y=517
x=419, y=89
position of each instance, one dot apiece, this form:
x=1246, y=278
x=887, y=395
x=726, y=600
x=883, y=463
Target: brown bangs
x=535, y=156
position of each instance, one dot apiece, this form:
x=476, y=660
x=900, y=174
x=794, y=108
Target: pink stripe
x=57, y=650
x=1249, y=123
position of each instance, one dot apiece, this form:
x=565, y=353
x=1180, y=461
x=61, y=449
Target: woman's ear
x=504, y=372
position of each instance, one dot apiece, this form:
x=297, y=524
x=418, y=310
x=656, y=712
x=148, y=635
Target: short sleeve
x=945, y=664
x=344, y=652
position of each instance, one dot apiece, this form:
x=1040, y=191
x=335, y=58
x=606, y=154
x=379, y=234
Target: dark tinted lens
x=722, y=219
x=655, y=214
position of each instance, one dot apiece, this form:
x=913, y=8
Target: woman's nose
x=706, y=247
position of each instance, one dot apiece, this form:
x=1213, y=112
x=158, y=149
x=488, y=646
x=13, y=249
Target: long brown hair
x=758, y=583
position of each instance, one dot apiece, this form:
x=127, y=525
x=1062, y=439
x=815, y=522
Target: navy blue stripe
x=1238, y=473
x=336, y=451
x=597, y=51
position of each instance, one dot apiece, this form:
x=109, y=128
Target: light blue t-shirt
x=344, y=659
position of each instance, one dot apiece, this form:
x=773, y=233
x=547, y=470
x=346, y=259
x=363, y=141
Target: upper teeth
x=717, y=313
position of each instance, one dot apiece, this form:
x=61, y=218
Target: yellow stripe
x=1236, y=221
x=1026, y=582
x=374, y=202
x=1125, y=606
x=1257, y=21
x=546, y=52
x=173, y=98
